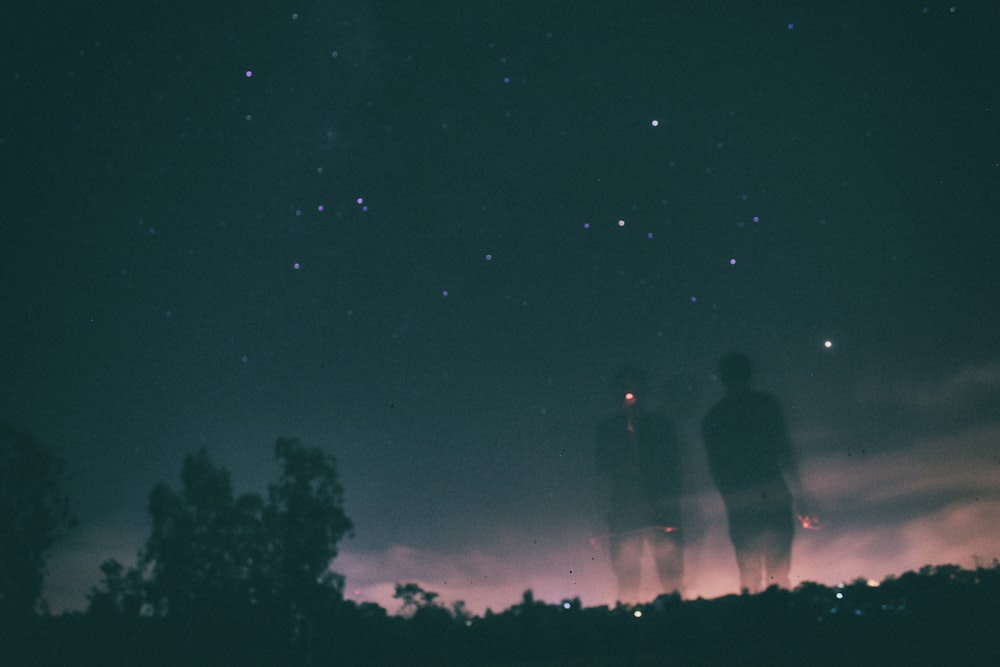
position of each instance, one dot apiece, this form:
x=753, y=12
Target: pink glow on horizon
x=910, y=500
x=867, y=543
x=567, y=568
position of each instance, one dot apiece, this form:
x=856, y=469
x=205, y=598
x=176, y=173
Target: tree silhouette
x=33, y=515
x=203, y=550
x=123, y=593
x=414, y=597
x=303, y=521
x=218, y=564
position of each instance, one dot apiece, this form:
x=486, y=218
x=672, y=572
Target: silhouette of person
x=638, y=452
x=750, y=457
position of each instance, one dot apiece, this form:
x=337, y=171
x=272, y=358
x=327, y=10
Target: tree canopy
x=33, y=515
x=213, y=556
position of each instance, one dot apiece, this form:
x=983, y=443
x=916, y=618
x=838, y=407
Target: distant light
x=621, y=223
x=791, y=26
x=296, y=266
x=586, y=225
x=694, y=299
x=444, y=292
x=566, y=605
x=295, y=16
x=828, y=344
x=649, y=235
x=839, y=596
x=249, y=73
x=361, y=200
x=637, y=613
x=320, y=208
x=655, y=123
x=244, y=358
x=873, y=583
x=489, y=258
x=756, y=218
x=732, y=261
x=506, y=79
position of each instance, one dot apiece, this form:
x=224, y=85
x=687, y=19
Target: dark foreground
x=940, y=615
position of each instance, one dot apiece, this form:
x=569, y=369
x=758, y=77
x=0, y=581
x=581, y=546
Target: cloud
x=960, y=463
x=963, y=533
x=930, y=501
x=971, y=384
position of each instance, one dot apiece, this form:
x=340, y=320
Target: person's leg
x=668, y=552
x=626, y=558
x=750, y=562
x=749, y=557
x=777, y=546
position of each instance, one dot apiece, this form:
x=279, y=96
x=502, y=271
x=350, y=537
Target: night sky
x=424, y=236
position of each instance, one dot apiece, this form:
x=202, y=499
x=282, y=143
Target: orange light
x=811, y=522
x=629, y=396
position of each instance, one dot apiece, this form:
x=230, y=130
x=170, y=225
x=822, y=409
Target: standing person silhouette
x=751, y=459
x=638, y=452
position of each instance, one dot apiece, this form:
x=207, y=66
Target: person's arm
x=788, y=462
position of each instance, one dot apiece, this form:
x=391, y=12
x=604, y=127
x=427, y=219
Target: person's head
x=735, y=371
x=631, y=385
